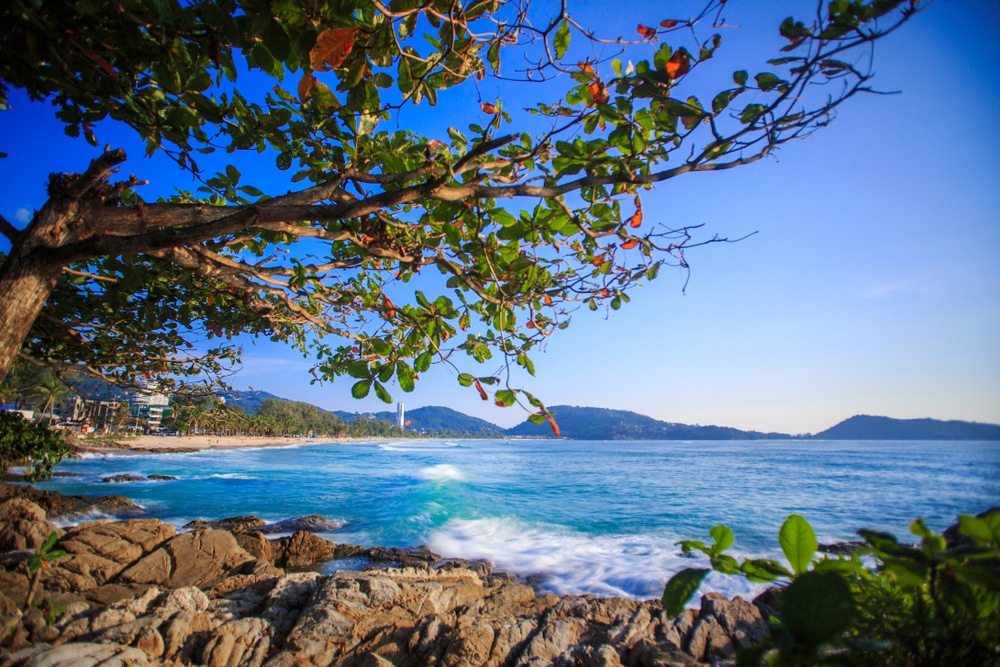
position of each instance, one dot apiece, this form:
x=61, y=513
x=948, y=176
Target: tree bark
x=25, y=285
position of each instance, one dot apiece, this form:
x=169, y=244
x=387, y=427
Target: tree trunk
x=25, y=286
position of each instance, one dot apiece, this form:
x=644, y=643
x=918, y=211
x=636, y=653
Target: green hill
x=581, y=423
x=865, y=427
x=438, y=419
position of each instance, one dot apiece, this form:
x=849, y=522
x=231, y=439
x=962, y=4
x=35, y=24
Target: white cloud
x=23, y=216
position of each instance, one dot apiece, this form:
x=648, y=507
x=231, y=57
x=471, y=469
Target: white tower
x=400, y=415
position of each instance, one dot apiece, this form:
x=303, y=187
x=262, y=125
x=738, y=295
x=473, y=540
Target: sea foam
x=565, y=562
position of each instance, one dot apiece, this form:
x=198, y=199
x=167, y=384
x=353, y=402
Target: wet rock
x=201, y=558
x=119, y=479
x=162, y=478
x=23, y=525
x=407, y=557
x=234, y=524
x=57, y=504
x=314, y=523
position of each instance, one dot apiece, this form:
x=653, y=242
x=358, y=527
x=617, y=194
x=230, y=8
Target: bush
x=32, y=445
x=886, y=603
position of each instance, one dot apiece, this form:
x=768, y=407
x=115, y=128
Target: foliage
x=38, y=561
x=523, y=228
x=23, y=442
x=886, y=603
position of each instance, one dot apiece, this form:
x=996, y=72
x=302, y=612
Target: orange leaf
x=548, y=300
x=306, y=84
x=599, y=92
x=646, y=31
x=605, y=293
x=635, y=220
x=628, y=245
x=555, y=426
x=391, y=309
x=678, y=65
x=586, y=68
x=332, y=46
x=530, y=324
x=482, y=392
x=669, y=23
x=489, y=108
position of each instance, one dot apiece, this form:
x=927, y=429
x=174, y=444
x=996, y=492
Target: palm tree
x=50, y=390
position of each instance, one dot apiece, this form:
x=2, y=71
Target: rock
x=162, y=478
x=741, y=621
x=302, y=550
x=23, y=525
x=200, y=559
x=119, y=479
x=314, y=523
x=238, y=643
x=234, y=524
x=56, y=504
x=97, y=551
x=255, y=544
x=74, y=655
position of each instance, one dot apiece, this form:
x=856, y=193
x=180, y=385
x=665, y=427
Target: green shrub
x=35, y=446
x=887, y=603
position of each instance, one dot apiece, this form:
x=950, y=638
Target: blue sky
x=872, y=285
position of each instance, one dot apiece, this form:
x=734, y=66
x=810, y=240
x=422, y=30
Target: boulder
x=314, y=523
x=201, y=558
x=119, y=479
x=162, y=478
x=23, y=525
x=302, y=550
x=97, y=551
x=234, y=524
x=73, y=655
x=58, y=504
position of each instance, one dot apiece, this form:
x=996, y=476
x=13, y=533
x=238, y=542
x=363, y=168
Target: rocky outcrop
x=23, y=525
x=57, y=504
x=211, y=598
x=200, y=558
x=119, y=479
x=234, y=524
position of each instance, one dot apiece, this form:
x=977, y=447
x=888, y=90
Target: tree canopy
x=523, y=227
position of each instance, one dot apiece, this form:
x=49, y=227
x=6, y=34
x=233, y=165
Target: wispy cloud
x=918, y=286
x=23, y=216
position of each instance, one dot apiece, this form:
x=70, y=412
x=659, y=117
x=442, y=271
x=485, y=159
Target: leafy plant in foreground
x=886, y=603
x=39, y=562
x=23, y=441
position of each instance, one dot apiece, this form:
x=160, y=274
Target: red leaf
x=555, y=426
x=669, y=23
x=646, y=31
x=599, y=92
x=636, y=219
x=628, y=245
x=482, y=392
x=306, y=84
x=678, y=65
x=332, y=46
x=489, y=108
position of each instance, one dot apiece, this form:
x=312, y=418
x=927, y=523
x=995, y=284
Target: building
x=400, y=415
x=148, y=408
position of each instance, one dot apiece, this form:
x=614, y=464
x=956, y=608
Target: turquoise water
x=584, y=517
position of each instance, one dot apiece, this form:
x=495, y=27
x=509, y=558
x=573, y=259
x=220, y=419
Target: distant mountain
x=249, y=401
x=436, y=418
x=865, y=427
x=579, y=423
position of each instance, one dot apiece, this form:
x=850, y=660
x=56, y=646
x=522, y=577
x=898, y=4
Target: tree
x=524, y=227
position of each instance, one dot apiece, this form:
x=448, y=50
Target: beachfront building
x=148, y=408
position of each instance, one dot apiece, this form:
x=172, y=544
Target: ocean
x=575, y=516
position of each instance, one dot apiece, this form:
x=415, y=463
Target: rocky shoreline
x=136, y=591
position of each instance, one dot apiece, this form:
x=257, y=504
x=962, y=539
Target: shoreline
x=172, y=443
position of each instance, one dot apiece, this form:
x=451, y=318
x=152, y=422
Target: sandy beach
x=174, y=442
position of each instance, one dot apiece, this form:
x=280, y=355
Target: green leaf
x=381, y=392
x=465, y=379
x=405, y=376
x=505, y=397
x=49, y=542
x=561, y=41
x=766, y=81
x=798, y=541
x=680, y=588
x=975, y=528
x=763, y=570
x=724, y=538
x=816, y=607
x=361, y=388
x=740, y=77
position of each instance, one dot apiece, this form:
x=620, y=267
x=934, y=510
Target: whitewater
x=573, y=517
